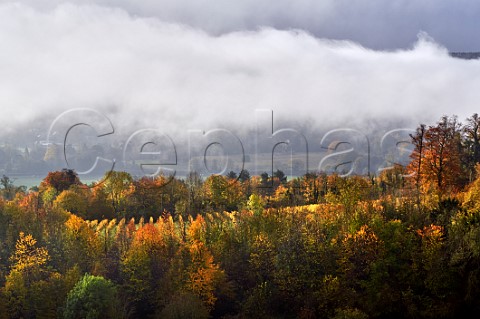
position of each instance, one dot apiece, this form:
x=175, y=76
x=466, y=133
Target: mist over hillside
x=143, y=68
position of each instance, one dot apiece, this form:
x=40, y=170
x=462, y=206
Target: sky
x=178, y=65
x=377, y=24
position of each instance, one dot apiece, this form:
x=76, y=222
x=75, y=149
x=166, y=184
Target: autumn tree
x=146, y=195
x=99, y=205
x=72, y=202
x=22, y=219
x=28, y=258
x=117, y=186
x=281, y=197
x=437, y=276
x=256, y=204
x=170, y=192
x=392, y=179
x=415, y=167
x=203, y=274
x=357, y=260
x=437, y=157
x=471, y=132
x=194, y=184
x=61, y=180
x=313, y=186
x=143, y=267
x=28, y=266
x=222, y=193
x=348, y=191
x=82, y=245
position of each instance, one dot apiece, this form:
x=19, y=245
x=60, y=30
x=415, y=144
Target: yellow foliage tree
x=28, y=258
x=82, y=244
x=29, y=266
x=204, y=275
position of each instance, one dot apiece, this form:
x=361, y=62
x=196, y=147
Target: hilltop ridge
x=465, y=55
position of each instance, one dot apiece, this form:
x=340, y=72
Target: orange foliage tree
x=436, y=160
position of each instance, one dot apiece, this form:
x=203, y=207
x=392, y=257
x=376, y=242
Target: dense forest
x=404, y=243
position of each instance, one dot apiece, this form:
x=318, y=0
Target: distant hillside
x=466, y=55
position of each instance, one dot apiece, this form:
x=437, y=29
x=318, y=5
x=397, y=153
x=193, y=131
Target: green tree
x=92, y=297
